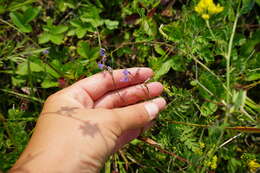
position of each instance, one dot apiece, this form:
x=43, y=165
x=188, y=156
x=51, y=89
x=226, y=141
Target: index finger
x=99, y=84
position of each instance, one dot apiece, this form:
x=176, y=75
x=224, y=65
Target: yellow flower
x=214, y=9
x=206, y=8
x=201, y=144
x=214, y=162
x=253, y=165
x=205, y=16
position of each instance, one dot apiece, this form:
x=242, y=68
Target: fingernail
x=152, y=110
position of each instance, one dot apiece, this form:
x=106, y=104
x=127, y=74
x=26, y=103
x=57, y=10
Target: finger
x=101, y=83
x=129, y=95
x=137, y=116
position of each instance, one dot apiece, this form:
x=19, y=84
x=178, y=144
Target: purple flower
x=109, y=69
x=124, y=79
x=126, y=72
x=126, y=76
x=46, y=52
x=102, y=52
x=101, y=66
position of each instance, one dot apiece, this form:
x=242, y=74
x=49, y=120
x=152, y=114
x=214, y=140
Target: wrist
x=56, y=147
x=56, y=160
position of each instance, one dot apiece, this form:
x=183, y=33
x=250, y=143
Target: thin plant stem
x=99, y=39
x=228, y=57
x=210, y=30
x=229, y=140
x=22, y=95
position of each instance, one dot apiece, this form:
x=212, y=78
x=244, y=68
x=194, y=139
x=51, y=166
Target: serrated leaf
x=211, y=84
x=208, y=108
x=110, y=24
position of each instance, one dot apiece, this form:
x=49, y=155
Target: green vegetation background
x=210, y=70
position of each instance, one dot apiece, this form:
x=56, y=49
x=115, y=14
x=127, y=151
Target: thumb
x=139, y=115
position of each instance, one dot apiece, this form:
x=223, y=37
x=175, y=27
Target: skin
x=83, y=124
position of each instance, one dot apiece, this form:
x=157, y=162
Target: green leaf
x=253, y=76
x=71, y=32
x=81, y=32
x=59, y=29
x=171, y=31
x=83, y=49
x=63, y=5
x=239, y=98
x=208, y=108
x=30, y=14
x=149, y=27
x=178, y=63
x=247, y=6
x=49, y=84
x=23, y=68
x=249, y=46
x=17, y=19
x=57, y=39
x=159, y=50
x=34, y=67
x=258, y=2
x=111, y=24
x=210, y=84
x=91, y=15
x=76, y=23
x=165, y=68
x=44, y=38
x=15, y=5
x=81, y=28
x=18, y=81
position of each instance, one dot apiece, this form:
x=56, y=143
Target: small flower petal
x=124, y=79
x=102, y=52
x=46, y=52
x=126, y=72
x=101, y=66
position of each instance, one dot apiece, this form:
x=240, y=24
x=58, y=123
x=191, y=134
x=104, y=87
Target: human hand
x=81, y=125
